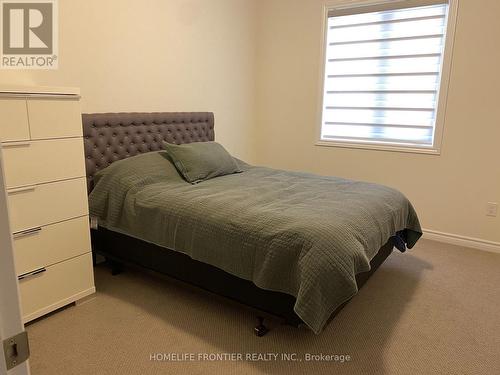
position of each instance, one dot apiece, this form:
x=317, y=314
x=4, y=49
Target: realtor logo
x=29, y=34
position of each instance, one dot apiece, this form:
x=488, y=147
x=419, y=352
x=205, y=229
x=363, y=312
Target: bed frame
x=109, y=137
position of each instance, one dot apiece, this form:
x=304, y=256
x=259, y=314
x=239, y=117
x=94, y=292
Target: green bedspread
x=297, y=233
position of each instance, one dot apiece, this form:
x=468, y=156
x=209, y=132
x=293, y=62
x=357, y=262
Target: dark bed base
x=122, y=249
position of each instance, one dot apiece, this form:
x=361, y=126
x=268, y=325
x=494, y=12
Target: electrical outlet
x=492, y=209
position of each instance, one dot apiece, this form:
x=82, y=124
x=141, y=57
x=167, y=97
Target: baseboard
x=454, y=239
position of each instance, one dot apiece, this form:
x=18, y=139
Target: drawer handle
x=32, y=273
x=21, y=190
x=17, y=144
x=27, y=232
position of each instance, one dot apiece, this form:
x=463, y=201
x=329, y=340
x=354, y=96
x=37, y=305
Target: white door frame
x=10, y=309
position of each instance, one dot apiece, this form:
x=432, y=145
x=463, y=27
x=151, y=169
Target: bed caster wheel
x=260, y=330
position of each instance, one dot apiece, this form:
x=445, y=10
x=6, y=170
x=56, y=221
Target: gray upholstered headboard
x=109, y=137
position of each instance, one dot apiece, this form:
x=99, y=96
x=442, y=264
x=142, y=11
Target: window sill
x=380, y=147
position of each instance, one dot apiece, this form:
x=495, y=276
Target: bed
x=263, y=237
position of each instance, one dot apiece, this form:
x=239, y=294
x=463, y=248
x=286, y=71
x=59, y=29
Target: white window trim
x=435, y=149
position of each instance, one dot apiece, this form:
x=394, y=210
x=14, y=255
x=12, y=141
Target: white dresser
x=42, y=146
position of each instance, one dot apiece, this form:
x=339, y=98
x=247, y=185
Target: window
x=386, y=74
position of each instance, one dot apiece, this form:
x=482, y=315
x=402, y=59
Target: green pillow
x=200, y=161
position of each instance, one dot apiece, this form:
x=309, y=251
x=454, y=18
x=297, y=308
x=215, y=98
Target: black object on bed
x=114, y=136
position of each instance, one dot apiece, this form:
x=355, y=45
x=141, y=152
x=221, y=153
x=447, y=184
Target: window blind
x=383, y=72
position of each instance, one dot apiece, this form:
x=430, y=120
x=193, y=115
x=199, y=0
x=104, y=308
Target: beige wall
x=450, y=191
x=255, y=63
x=157, y=55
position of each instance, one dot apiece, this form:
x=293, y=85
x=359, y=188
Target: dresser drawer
x=39, y=205
x=45, y=246
x=38, y=162
x=54, y=118
x=56, y=286
x=14, y=125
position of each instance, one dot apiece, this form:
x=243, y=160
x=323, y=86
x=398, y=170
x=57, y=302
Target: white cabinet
x=42, y=142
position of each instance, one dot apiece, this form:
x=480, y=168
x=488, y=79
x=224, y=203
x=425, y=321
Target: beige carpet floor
x=433, y=310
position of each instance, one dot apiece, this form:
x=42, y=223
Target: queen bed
x=292, y=244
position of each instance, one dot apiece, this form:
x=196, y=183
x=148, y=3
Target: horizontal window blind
x=383, y=72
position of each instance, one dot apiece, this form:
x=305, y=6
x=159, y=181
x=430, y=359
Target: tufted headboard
x=109, y=137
